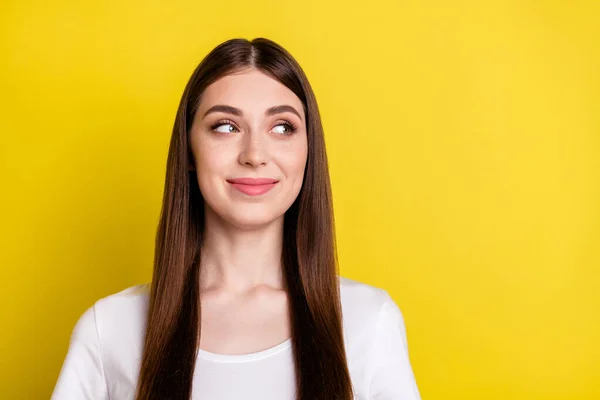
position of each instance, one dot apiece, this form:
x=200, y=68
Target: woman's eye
x=225, y=128
x=282, y=129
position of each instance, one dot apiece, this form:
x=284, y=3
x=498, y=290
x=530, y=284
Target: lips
x=253, y=186
x=253, y=181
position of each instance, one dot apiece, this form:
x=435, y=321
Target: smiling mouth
x=253, y=187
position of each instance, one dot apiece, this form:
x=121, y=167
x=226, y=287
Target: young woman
x=245, y=300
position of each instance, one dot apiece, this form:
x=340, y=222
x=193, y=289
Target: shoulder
x=376, y=343
x=116, y=323
x=362, y=301
x=121, y=316
x=366, y=309
x=133, y=299
x=105, y=348
x=112, y=309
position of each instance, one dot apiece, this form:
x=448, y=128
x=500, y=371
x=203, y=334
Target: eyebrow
x=282, y=109
x=236, y=111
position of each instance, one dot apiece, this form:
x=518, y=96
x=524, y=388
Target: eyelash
x=291, y=126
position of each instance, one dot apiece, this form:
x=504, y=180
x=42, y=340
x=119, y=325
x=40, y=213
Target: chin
x=250, y=216
x=249, y=222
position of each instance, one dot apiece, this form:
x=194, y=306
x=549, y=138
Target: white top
x=104, y=354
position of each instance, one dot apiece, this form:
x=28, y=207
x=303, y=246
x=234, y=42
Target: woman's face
x=249, y=125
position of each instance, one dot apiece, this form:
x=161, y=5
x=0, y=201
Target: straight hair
x=309, y=258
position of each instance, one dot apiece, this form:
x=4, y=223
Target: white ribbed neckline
x=207, y=355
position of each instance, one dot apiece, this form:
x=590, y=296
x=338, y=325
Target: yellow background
x=464, y=142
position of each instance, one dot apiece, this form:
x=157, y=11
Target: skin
x=244, y=303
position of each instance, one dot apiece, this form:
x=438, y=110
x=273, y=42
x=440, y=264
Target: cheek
x=210, y=158
x=294, y=160
x=210, y=167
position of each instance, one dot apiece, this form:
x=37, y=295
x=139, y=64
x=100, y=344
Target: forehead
x=250, y=90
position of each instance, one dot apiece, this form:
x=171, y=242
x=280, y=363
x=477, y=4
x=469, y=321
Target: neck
x=237, y=260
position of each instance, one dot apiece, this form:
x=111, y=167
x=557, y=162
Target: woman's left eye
x=284, y=129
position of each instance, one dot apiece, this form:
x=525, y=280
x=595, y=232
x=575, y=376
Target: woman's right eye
x=224, y=127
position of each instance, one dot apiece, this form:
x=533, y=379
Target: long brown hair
x=309, y=252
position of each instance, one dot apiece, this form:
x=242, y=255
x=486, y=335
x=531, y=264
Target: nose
x=254, y=150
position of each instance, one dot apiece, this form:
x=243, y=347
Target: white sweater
x=104, y=355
